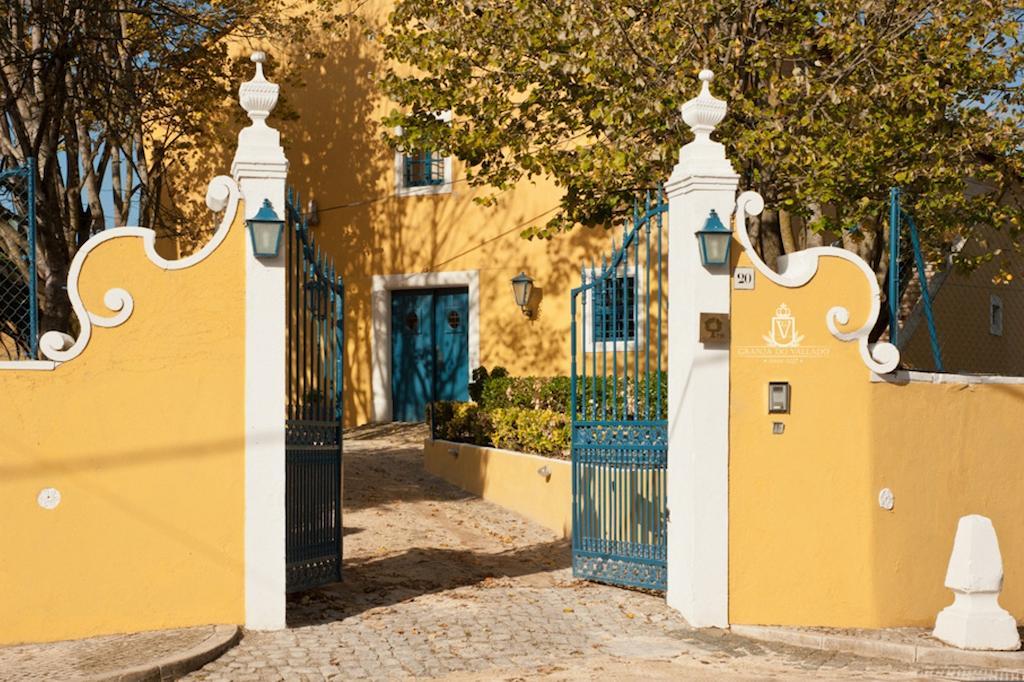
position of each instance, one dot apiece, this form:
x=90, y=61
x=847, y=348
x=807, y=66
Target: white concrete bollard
x=975, y=620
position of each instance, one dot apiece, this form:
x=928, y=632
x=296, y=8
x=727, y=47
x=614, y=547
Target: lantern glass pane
x=716, y=247
x=521, y=291
x=265, y=237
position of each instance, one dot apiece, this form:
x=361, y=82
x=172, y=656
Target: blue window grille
x=615, y=315
x=424, y=169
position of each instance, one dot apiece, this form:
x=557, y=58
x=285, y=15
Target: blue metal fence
x=315, y=378
x=903, y=229
x=619, y=420
x=19, y=298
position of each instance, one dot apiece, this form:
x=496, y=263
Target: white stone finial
x=975, y=574
x=259, y=154
x=705, y=111
x=258, y=96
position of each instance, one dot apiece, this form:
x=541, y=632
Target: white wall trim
x=380, y=340
x=911, y=377
x=798, y=268
x=58, y=347
x=38, y=365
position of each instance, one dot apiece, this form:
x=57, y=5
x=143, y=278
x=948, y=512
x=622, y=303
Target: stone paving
x=440, y=584
x=112, y=656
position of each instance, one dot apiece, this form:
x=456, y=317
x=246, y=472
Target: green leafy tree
x=831, y=102
x=109, y=96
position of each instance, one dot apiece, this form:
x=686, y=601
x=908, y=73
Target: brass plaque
x=714, y=327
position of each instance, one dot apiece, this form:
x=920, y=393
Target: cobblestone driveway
x=441, y=584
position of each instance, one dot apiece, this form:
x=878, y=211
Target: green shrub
x=541, y=432
x=540, y=393
x=457, y=421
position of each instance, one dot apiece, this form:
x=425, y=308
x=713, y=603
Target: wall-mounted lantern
x=715, y=240
x=522, y=287
x=266, y=228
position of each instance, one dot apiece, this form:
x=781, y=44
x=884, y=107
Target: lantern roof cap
x=714, y=223
x=266, y=212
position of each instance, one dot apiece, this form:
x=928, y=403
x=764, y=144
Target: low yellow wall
x=809, y=543
x=507, y=478
x=143, y=436
x=945, y=450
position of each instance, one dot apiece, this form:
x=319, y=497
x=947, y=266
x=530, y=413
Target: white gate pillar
x=261, y=170
x=698, y=375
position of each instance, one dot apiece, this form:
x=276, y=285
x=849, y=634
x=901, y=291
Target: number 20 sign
x=743, y=278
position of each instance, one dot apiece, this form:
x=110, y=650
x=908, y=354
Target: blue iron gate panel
x=19, y=299
x=313, y=461
x=619, y=424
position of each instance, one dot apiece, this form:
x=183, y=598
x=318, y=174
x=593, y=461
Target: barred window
x=424, y=169
x=615, y=313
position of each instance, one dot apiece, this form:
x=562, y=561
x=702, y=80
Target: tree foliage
x=108, y=95
x=831, y=102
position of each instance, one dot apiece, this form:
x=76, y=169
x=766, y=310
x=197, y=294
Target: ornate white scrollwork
x=797, y=269
x=221, y=195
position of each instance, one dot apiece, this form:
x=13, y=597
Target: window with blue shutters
x=615, y=313
x=424, y=169
x=420, y=171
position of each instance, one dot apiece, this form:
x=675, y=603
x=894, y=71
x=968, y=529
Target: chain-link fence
x=19, y=301
x=960, y=322
x=978, y=326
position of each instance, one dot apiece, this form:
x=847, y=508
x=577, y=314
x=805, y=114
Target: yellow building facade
x=437, y=238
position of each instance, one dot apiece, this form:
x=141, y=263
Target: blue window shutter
x=614, y=306
x=424, y=168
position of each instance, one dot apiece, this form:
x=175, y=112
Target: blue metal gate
x=619, y=425
x=313, y=462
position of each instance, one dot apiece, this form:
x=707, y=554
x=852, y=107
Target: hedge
x=524, y=429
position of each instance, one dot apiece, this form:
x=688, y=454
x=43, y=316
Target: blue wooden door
x=451, y=335
x=412, y=354
x=429, y=349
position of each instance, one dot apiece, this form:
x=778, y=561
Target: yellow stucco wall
x=509, y=479
x=143, y=435
x=808, y=542
x=945, y=450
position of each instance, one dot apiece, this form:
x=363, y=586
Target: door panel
x=412, y=356
x=451, y=335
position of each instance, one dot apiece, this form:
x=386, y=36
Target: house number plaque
x=743, y=279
